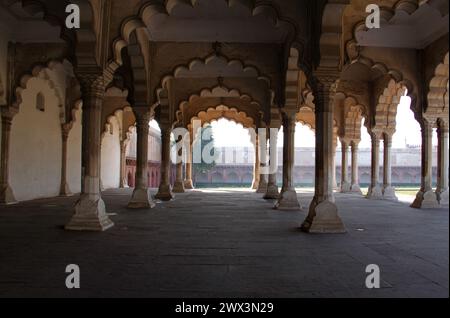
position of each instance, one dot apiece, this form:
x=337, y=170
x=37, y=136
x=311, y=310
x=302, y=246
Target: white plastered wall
x=110, y=155
x=35, y=153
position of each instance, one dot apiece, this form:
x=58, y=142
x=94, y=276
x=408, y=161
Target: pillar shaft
x=262, y=186
x=288, y=196
x=188, y=182
x=141, y=198
x=256, y=166
x=179, y=182
x=442, y=177
x=90, y=212
x=272, y=186
x=64, y=187
x=355, y=169
x=388, y=190
x=387, y=167
x=165, y=190
x=123, y=164
x=323, y=214
x=345, y=185
x=426, y=198
x=375, y=191
x=6, y=193
x=333, y=165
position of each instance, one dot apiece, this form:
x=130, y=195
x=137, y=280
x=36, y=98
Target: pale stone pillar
x=388, y=189
x=179, y=182
x=288, y=198
x=141, y=198
x=188, y=182
x=375, y=191
x=355, y=169
x=165, y=190
x=272, y=191
x=256, y=166
x=123, y=164
x=345, y=185
x=323, y=213
x=64, y=187
x=333, y=164
x=426, y=198
x=442, y=182
x=90, y=213
x=6, y=193
x=262, y=186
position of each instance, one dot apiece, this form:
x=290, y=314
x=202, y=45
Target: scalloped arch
x=151, y=12
x=214, y=60
x=229, y=113
x=217, y=91
x=438, y=95
x=40, y=71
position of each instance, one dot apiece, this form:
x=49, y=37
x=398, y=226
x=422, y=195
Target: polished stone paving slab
x=224, y=243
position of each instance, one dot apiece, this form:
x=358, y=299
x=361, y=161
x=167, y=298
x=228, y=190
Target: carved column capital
x=65, y=130
x=324, y=87
x=92, y=84
x=7, y=114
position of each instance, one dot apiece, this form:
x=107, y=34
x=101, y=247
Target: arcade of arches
x=73, y=99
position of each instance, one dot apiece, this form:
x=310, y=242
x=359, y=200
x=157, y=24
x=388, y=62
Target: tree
x=208, y=153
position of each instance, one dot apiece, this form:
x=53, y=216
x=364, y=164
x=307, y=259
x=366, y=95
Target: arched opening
x=231, y=153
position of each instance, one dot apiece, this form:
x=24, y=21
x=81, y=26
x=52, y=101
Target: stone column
x=6, y=193
x=256, y=166
x=426, y=198
x=141, y=198
x=64, y=187
x=442, y=182
x=262, y=186
x=288, y=198
x=323, y=213
x=165, y=190
x=375, y=191
x=345, y=185
x=188, y=182
x=388, y=189
x=355, y=169
x=123, y=164
x=90, y=213
x=272, y=186
x=333, y=164
x=179, y=182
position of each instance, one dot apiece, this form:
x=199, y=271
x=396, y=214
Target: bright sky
x=229, y=134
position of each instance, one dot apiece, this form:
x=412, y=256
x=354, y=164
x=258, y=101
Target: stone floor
x=224, y=243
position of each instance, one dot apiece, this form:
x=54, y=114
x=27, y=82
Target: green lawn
x=411, y=191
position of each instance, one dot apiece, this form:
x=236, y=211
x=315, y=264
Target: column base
x=443, y=197
x=164, y=193
x=90, y=215
x=7, y=195
x=288, y=201
x=425, y=200
x=355, y=189
x=323, y=218
x=345, y=187
x=188, y=184
x=141, y=199
x=272, y=192
x=178, y=187
x=375, y=193
x=262, y=187
x=389, y=194
x=65, y=191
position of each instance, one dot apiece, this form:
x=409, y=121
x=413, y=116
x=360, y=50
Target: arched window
x=40, y=102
